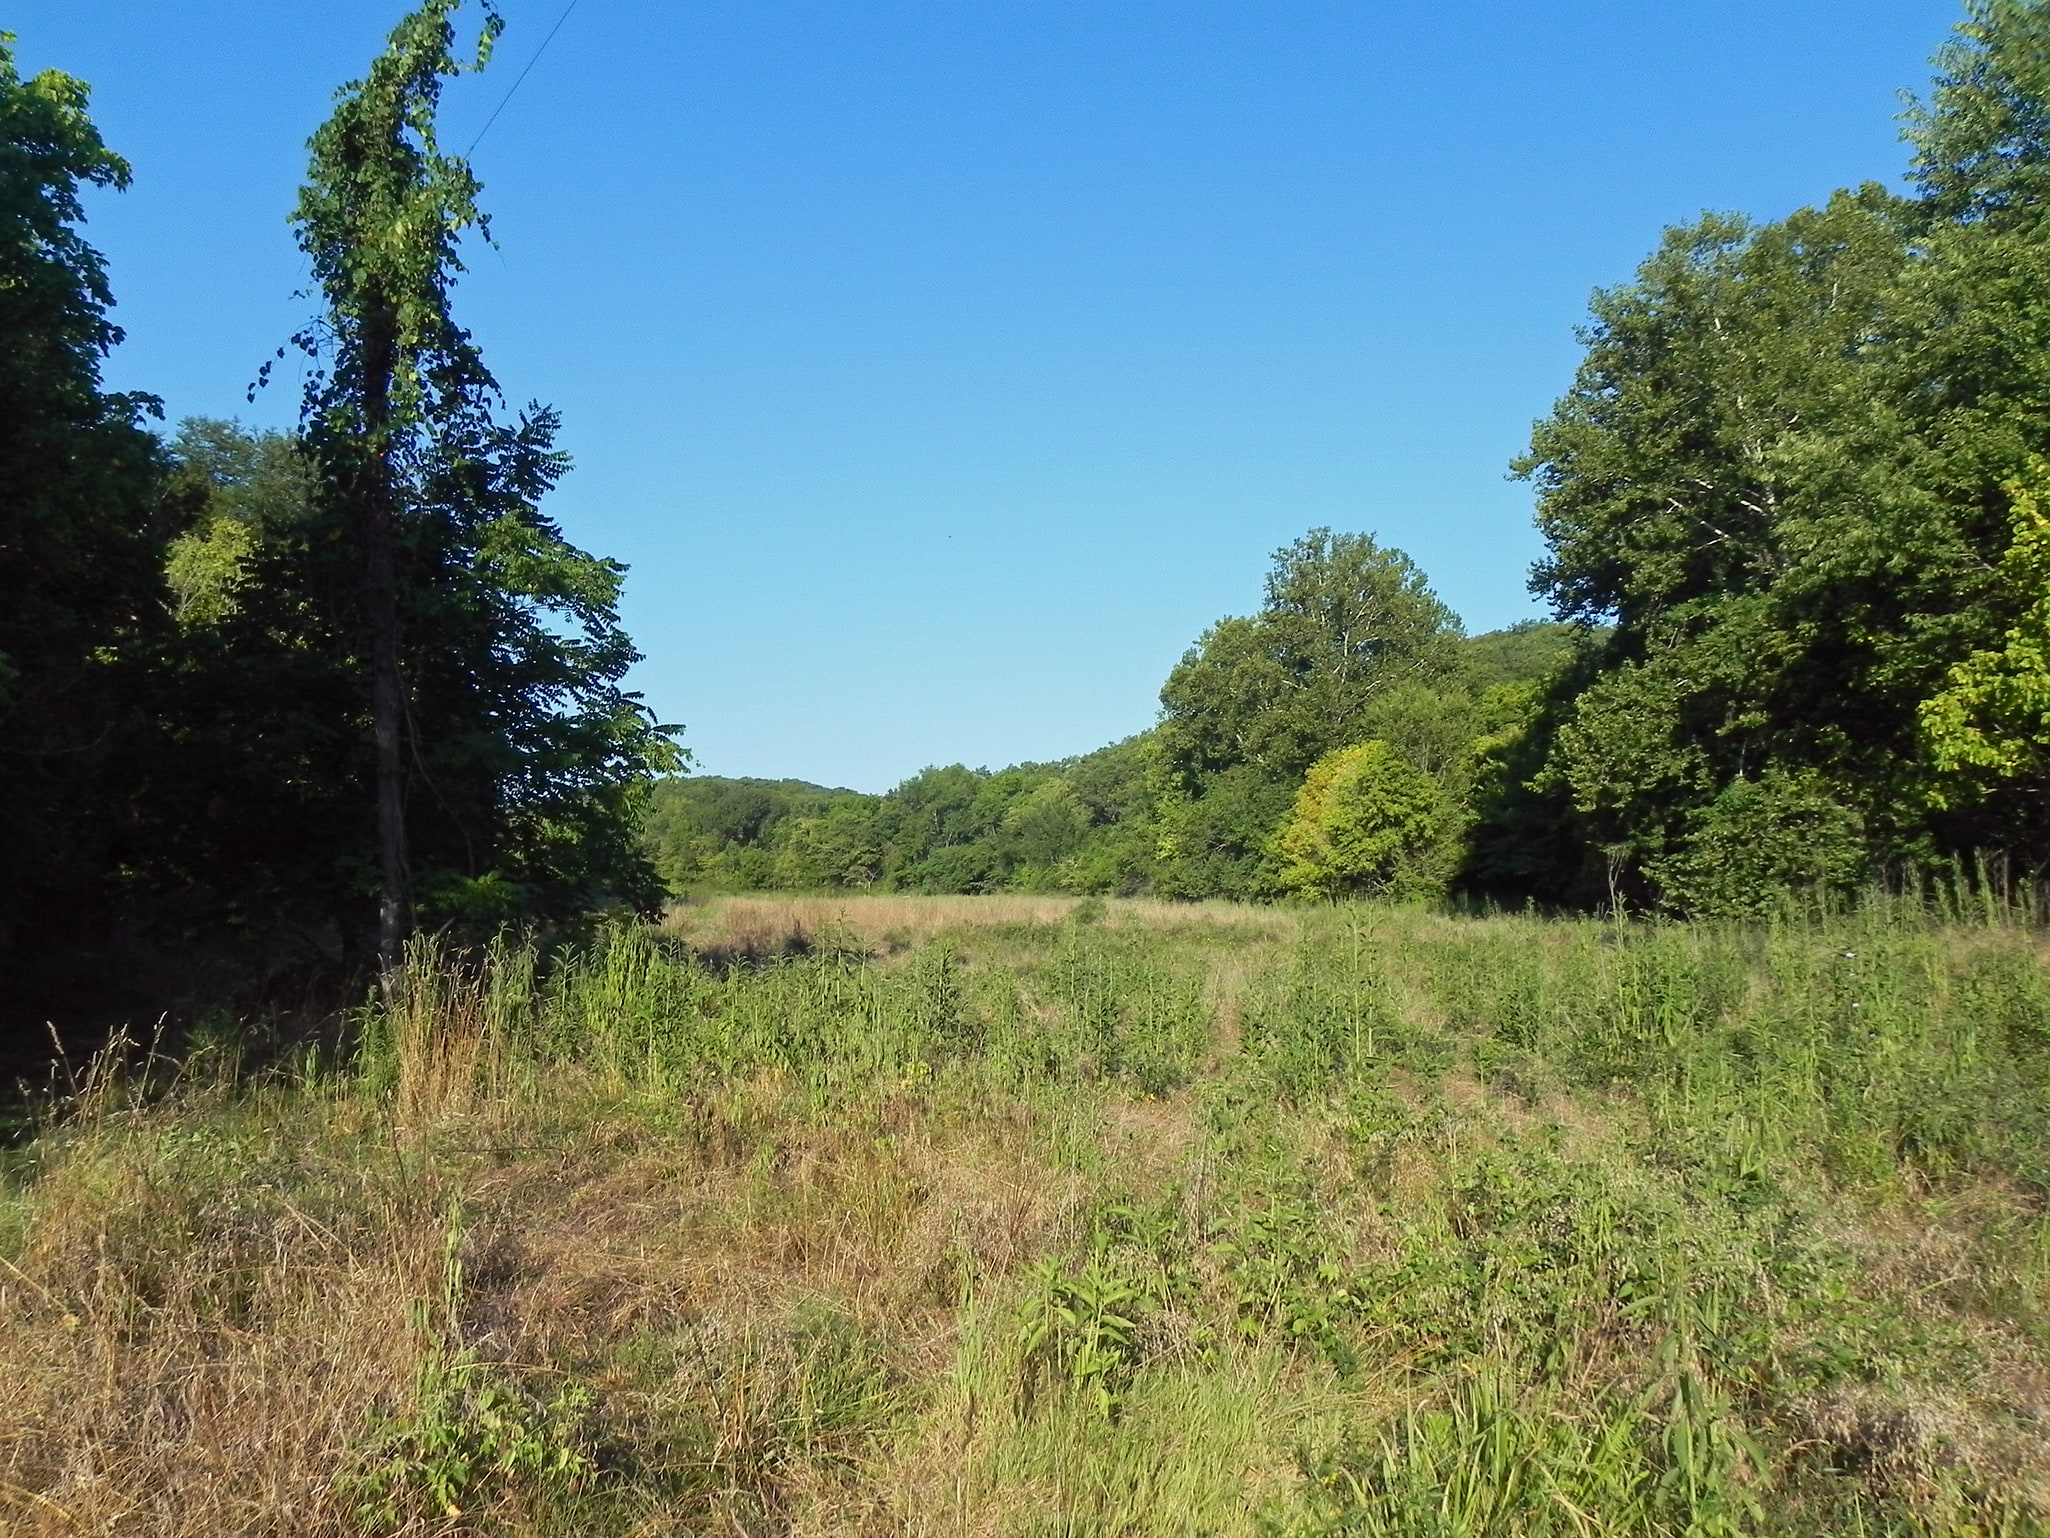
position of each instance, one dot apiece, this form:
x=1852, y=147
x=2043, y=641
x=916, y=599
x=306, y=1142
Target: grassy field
x=1042, y=1216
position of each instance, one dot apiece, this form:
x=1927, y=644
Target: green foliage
x=249, y=822
x=1258, y=701
x=1981, y=151
x=1525, y=653
x=1492, y=1460
x=525, y=762
x=1690, y=489
x=708, y=831
x=1361, y=824
x=252, y=489
x=472, y=1433
x=1080, y=1327
x=1759, y=841
x=204, y=568
x=1083, y=825
x=1993, y=719
x=1114, y=822
x=1216, y=844
x=1779, y=475
x=194, y=658
x=1343, y=620
x=83, y=524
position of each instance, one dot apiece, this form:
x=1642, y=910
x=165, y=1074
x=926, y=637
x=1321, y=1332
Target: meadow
x=1041, y=1216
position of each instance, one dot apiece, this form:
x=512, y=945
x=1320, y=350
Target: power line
x=573, y=4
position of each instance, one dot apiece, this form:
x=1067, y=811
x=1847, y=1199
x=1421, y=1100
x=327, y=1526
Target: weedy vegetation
x=1077, y=1218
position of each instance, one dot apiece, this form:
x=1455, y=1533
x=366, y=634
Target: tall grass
x=1076, y=1218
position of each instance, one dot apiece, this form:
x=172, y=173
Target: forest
x=1585, y=1078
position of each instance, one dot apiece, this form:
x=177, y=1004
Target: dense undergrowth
x=1074, y=1219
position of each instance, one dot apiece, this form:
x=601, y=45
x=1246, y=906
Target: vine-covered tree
x=506, y=763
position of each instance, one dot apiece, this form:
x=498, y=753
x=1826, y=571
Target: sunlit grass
x=1025, y=1216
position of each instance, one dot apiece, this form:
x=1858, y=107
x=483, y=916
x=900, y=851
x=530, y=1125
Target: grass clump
x=1339, y=1221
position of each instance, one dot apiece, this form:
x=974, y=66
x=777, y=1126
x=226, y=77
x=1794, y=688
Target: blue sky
x=943, y=369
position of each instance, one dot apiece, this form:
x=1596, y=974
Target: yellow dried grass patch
x=767, y=924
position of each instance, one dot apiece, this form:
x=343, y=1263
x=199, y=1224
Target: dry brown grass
x=187, y=1352
x=173, y=1366
x=768, y=925
x=209, y=1300
x=1952, y=1258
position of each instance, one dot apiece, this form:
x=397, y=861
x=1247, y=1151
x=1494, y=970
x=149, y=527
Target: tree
x=1525, y=652
x=1257, y=701
x=1992, y=720
x=1364, y=821
x=835, y=849
x=507, y=764
x=251, y=490
x=249, y=796
x=1763, y=477
x=83, y=524
x=1982, y=141
x=1760, y=839
x=1786, y=471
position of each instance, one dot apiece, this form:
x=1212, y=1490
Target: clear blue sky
x=942, y=369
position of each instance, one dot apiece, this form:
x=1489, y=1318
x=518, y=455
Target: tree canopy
x=1786, y=475
x=82, y=520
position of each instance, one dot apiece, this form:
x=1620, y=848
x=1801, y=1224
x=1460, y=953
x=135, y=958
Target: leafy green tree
x=1214, y=844
x=83, y=524
x=922, y=824
x=1727, y=483
x=1365, y=821
x=1344, y=619
x=1524, y=653
x=252, y=490
x=1758, y=839
x=1982, y=140
x=695, y=819
x=1782, y=474
x=1042, y=827
x=507, y=767
x=1525, y=841
x=1118, y=851
x=836, y=849
x=1992, y=720
x=1257, y=701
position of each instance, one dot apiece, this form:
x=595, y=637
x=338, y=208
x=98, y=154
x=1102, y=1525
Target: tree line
x=296, y=692
x=1796, y=511
x=1177, y=811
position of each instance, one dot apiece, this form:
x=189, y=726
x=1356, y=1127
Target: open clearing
x=1037, y=1216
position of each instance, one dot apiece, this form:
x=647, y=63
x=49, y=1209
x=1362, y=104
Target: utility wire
x=573, y=4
